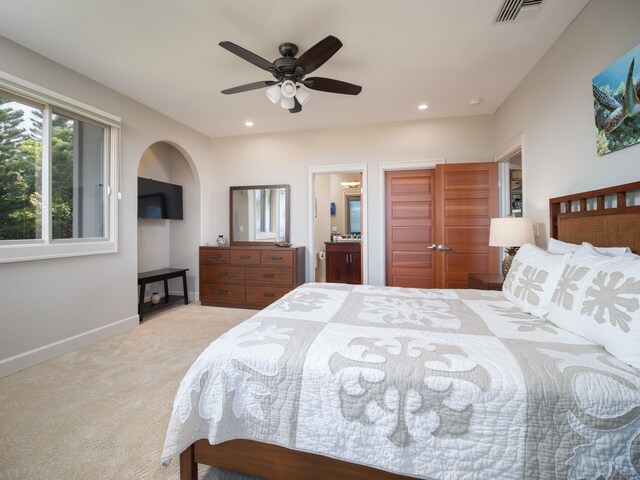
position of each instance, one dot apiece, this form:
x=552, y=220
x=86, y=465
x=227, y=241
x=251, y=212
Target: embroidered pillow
x=532, y=279
x=573, y=281
x=598, y=297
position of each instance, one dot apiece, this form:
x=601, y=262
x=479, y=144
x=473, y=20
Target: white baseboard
x=47, y=352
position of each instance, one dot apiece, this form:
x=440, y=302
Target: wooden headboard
x=604, y=218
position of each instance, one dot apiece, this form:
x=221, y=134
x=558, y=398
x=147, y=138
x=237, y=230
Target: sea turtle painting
x=616, y=94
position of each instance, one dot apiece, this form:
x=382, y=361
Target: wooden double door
x=437, y=224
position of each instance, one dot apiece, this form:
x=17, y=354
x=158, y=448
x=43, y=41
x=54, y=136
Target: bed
x=359, y=382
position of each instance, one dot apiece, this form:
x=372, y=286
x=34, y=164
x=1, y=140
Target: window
x=58, y=165
x=20, y=169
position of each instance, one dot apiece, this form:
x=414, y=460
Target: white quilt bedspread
x=434, y=384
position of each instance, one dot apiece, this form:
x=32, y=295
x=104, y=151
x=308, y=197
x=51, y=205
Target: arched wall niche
x=171, y=243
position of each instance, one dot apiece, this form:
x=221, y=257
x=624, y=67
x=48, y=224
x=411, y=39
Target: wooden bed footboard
x=273, y=462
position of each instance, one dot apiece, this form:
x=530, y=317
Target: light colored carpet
x=101, y=412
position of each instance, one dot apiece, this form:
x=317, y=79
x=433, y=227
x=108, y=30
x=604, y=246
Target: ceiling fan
x=290, y=72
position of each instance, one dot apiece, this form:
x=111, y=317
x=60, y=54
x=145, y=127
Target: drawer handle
x=222, y=292
x=245, y=257
x=223, y=274
x=268, y=275
x=276, y=258
x=215, y=256
x=269, y=295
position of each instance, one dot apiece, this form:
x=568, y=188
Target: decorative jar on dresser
x=249, y=277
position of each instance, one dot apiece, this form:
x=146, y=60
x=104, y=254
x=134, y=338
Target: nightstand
x=486, y=281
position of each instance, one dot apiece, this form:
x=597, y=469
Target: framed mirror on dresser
x=253, y=271
x=258, y=215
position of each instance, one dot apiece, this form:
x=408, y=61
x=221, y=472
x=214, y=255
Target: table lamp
x=511, y=233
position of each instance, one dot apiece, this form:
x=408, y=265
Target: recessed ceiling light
x=474, y=102
x=423, y=106
x=248, y=123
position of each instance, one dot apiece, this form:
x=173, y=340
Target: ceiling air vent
x=516, y=10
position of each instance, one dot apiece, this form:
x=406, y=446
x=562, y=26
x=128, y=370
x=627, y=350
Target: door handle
x=444, y=248
x=432, y=247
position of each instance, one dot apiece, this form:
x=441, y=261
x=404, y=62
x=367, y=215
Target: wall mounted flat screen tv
x=159, y=199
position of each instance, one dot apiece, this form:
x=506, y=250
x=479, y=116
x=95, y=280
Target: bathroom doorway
x=510, y=168
x=338, y=225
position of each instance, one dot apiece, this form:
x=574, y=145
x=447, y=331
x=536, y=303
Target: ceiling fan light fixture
x=274, y=93
x=288, y=89
x=302, y=95
x=287, y=102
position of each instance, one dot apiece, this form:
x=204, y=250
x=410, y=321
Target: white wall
x=553, y=109
x=53, y=306
x=286, y=158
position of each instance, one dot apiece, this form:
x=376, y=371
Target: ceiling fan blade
x=250, y=57
x=318, y=54
x=297, y=108
x=249, y=86
x=331, y=85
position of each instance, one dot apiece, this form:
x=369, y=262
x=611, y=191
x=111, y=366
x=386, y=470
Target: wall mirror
x=352, y=214
x=259, y=214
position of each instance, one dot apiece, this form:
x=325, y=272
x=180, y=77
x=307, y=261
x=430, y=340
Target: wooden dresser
x=249, y=277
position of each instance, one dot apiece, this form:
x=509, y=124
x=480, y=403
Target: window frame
x=46, y=247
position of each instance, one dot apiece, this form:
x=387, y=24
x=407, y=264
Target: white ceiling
x=165, y=54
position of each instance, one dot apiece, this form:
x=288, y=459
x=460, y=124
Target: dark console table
x=164, y=274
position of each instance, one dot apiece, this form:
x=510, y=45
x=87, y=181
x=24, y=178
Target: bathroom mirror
x=259, y=214
x=352, y=214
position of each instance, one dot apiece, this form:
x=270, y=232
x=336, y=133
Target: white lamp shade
x=288, y=89
x=302, y=95
x=287, y=102
x=510, y=232
x=274, y=93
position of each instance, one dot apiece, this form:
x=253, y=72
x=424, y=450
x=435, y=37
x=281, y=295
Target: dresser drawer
x=213, y=256
x=222, y=274
x=219, y=293
x=263, y=296
x=245, y=257
x=284, y=258
x=269, y=276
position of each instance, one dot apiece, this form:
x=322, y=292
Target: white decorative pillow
x=573, y=280
x=609, y=251
x=598, y=297
x=559, y=247
x=532, y=279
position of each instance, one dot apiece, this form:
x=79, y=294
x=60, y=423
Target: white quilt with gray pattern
x=437, y=384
